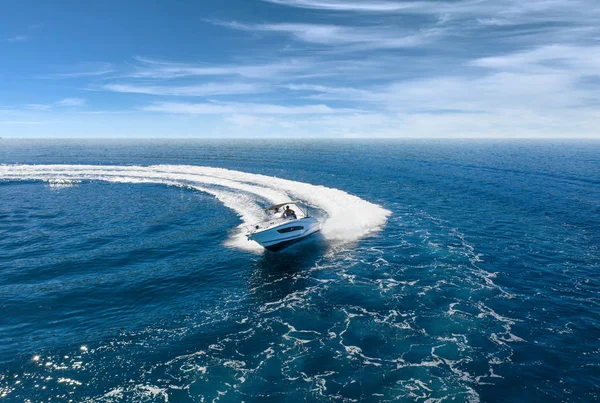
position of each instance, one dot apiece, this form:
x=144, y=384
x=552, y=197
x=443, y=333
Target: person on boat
x=289, y=213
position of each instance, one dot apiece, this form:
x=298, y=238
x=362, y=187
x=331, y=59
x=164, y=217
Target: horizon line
x=300, y=138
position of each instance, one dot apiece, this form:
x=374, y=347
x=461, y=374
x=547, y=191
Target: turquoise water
x=446, y=271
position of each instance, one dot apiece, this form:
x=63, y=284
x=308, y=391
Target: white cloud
x=362, y=6
x=167, y=70
x=369, y=37
x=63, y=103
x=17, y=38
x=241, y=109
x=312, y=126
x=534, y=93
x=488, y=93
x=281, y=68
x=577, y=60
x=490, y=12
x=70, y=102
x=540, y=78
x=86, y=70
x=542, y=21
x=327, y=92
x=507, y=124
x=514, y=123
x=38, y=107
x=189, y=90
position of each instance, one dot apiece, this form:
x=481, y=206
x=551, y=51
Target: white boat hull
x=283, y=235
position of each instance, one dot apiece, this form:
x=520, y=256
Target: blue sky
x=300, y=68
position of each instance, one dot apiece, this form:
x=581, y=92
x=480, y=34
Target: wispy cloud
x=466, y=94
x=17, y=38
x=242, y=109
x=551, y=19
x=547, y=81
x=70, y=102
x=189, y=90
x=150, y=68
x=498, y=12
x=283, y=68
x=361, y=6
x=577, y=60
x=63, y=103
x=86, y=70
x=370, y=37
x=548, y=91
x=323, y=92
x=38, y=107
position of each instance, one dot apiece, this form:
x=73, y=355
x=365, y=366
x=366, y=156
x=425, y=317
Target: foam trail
x=347, y=217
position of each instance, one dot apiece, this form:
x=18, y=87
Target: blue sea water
x=446, y=271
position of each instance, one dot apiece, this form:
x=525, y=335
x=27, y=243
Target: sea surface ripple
x=446, y=271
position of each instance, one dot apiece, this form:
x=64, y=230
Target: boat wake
x=345, y=217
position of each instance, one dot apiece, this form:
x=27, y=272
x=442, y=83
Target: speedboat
x=287, y=223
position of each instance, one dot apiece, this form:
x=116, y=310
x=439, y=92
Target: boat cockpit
x=290, y=211
x=279, y=214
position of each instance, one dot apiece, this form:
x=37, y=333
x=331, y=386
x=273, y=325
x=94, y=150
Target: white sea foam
x=346, y=217
x=133, y=393
x=62, y=183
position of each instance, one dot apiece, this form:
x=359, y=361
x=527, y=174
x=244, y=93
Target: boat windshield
x=285, y=211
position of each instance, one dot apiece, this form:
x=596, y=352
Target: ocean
x=446, y=270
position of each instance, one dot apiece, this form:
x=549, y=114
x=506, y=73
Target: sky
x=300, y=69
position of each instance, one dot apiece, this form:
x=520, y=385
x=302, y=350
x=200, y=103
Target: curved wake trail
x=347, y=217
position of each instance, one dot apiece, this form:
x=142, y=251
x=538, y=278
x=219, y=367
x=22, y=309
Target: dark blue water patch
x=97, y=258
x=483, y=285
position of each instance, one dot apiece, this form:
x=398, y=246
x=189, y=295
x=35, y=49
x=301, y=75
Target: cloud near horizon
x=242, y=108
